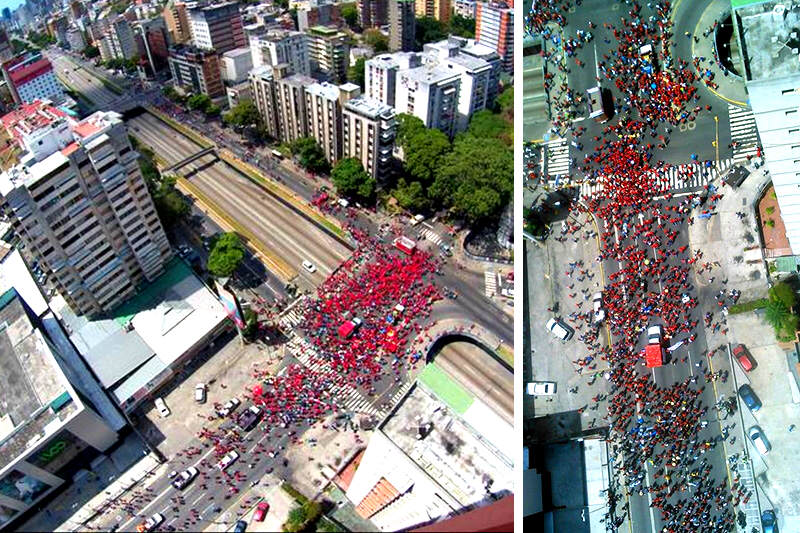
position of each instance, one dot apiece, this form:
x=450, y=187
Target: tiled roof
x=381, y=495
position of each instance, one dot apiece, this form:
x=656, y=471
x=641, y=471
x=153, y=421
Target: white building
x=369, y=129
x=275, y=47
x=431, y=93
x=380, y=74
x=465, y=8
x=31, y=77
x=236, y=65
x=324, y=114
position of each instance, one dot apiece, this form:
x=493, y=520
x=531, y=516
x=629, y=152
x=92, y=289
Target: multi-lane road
x=279, y=229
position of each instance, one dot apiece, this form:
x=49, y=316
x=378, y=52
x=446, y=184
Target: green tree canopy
x=226, y=255
x=407, y=126
x=199, y=102
x=411, y=196
x=462, y=26
x=244, y=113
x=423, y=154
x=355, y=74
x=349, y=13
x=310, y=155
x=378, y=41
x=91, y=52
x=170, y=204
x=351, y=180
x=428, y=30
x=784, y=293
x=475, y=179
x=212, y=110
x=487, y=125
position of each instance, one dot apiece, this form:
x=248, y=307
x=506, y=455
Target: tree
x=199, y=101
x=349, y=14
x=487, y=125
x=90, y=52
x=351, y=180
x=170, y=204
x=310, y=155
x=212, y=110
x=784, y=293
x=375, y=39
x=226, y=255
x=250, y=324
x=242, y=114
x=428, y=30
x=355, y=74
x=407, y=127
x=411, y=196
x=475, y=179
x=462, y=26
x=423, y=152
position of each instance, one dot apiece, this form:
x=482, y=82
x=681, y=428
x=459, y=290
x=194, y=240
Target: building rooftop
x=324, y=31
x=369, y=107
x=30, y=117
x=146, y=334
x=25, y=71
x=324, y=89
x=237, y=52
x=431, y=74
x=771, y=38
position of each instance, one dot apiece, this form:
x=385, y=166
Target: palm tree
x=777, y=314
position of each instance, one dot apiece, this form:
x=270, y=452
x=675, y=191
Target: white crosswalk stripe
x=743, y=132
x=291, y=319
x=490, y=279
x=750, y=509
x=556, y=156
x=431, y=236
x=347, y=397
x=680, y=177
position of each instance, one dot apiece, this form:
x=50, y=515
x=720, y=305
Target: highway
x=288, y=235
x=473, y=368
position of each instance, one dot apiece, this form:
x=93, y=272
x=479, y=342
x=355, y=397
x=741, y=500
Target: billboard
x=231, y=303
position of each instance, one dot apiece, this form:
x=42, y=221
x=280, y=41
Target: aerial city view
x=660, y=303
x=256, y=265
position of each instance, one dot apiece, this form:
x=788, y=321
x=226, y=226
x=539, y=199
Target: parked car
x=184, y=478
x=768, y=521
x=760, y=441
x=540, y=388
x=228, y=460
x=200, y=393
x=229, y=407
x=744, y=358
x=560, y=329
x=261, y=512
x=749, y=398
x=162, y=408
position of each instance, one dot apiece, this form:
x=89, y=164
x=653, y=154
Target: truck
x=405, y=245
x=594, y=101
x=647, y=58
x=654, y=351
x=349, y=327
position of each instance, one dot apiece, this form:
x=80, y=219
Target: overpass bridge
x=190, y=159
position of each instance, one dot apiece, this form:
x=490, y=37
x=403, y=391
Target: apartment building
x=176, y=16
x=431, y=93
x=372, y=13
x=402, y=25
x=280, y=99
x=153, y=36
x=320, y=15
x=437, y=9
x=30, y=77
x=380, y=74
x=465, y=8
x=196, y=70
x=82, y=209
x=328, y=54
x=217, y=27
x=494, y=27
x=369, y=129
x=277, y=46
x=324, y=113
x=117, y=41
x=75, y=39
x=236, y=65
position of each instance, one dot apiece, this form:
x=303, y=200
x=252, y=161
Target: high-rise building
x=431, y=93
x=380, y=74
x=75, y=39
x=217, y=27
x=369, y=129
x=324, y=113
x=196, y=70
x=494, y=27
x=236, y=65
x=7, y=14
x=437, y=9
x=57, y=27
x=6, y=51
x=119, y=40
x=328, y=53
x=465, y=8
x=401, y=25
x=275, y=47
x=80, y=205
x=281, y=101
x=372, y=13
x=176, y=17
x=319, y=15
x=154, y=37
x=30, y=77
x=77, y=9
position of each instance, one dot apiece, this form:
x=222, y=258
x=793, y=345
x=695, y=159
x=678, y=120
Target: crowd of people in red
x=657, y=432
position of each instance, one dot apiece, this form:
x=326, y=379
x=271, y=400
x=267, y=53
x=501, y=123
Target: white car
x=654, y=334
x=540, y=388
x=162, y=408
x=200, y=393
x=597, y=303
x=761, y=443
x=229, y=407
x=309, y=266
x=560, y=329
x=151, y=523
x=228, y=460
x=185, y=477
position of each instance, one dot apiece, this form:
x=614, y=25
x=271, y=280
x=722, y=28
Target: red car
x=261, y=512
x=744, y=358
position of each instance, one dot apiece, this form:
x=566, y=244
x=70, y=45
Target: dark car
x=241, y=526
x=248, y=419
x=736, y=176
x=744, y=358
x=769, y=522
x=749, y=398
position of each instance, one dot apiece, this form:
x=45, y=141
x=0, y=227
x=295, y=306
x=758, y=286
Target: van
x=594, y=102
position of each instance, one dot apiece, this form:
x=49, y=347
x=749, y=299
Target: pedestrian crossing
x=750, y=509
x=743, y=132
x=680, y=178
x=490, y=281
x=556, y=154
x=432, y=236
x=347, y=397
x=292, y=316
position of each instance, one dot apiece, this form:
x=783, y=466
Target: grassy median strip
x=506, y=354
x=281, y=192
x=744, y=307
x=110, y=85
x=274, y=264
x=74, y=93
x=201, y=140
